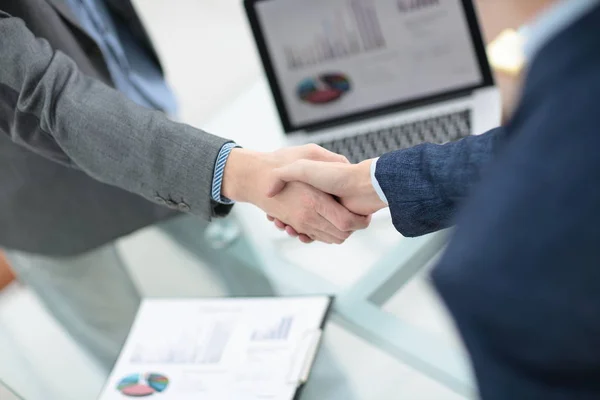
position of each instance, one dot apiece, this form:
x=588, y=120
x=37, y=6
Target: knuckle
x=338, y=240
x=365, y=222
x=346, y=224
x=313, y=151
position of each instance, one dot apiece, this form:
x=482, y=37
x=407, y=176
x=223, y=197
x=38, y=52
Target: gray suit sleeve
x=48, y=106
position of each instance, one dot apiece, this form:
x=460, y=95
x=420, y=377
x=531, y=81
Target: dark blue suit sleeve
x=425, y=184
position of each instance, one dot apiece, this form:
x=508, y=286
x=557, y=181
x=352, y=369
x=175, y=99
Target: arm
x=425, y=184
x=520, y=275
x=50, y=107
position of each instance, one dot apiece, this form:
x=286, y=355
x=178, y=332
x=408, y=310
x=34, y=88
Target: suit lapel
x=65, y=11
x=124, y=8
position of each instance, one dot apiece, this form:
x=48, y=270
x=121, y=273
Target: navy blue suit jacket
x=521, y=275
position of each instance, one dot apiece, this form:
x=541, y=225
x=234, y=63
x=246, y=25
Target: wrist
x=364, y=186
x=241, y=175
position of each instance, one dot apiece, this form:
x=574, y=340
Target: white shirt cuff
x=375, y=183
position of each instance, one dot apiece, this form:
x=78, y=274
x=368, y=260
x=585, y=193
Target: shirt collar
x=556, y=19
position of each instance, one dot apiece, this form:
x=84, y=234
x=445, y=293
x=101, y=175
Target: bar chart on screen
x=415, y=5
x=350, y=30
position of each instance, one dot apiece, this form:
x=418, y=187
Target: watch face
x=7, y=393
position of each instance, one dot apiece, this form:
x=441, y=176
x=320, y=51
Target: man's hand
x=314, y=215
x=350, y=183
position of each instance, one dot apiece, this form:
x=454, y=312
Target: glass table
x=7, y=393
x=375, y=276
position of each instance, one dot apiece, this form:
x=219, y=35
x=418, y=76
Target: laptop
x=365, y=77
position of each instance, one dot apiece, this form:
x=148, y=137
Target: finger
x=328, y=238
x=323, y=238
x=339, y=216
x=325, y=231
x=277, y=185
x=305, y=239
x=280, y=225
x=319, y=235
x=290, y=230
x=317, y=153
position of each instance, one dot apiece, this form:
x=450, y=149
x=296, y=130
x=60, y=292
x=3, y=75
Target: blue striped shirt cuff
x=218, y=175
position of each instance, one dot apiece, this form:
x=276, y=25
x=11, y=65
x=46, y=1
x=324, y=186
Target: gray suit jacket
x=80, y=164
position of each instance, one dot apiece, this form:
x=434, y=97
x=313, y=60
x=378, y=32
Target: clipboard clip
x=305, y=357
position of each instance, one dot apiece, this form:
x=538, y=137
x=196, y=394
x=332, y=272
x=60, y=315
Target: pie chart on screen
x=142, y=385
x=324, y=88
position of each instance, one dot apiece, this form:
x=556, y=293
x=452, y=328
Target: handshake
x=309, y=192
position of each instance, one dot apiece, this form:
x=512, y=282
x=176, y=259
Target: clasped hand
x=351, y=184
x=303, y=208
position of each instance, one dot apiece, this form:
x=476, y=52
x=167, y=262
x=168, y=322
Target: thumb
x=327, y=177
x=276, y=186
x=329, y=156
x=289, y=173
x=317, y=153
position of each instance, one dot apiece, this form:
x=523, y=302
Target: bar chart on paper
x=194, y=344
x=278, y=331
x=218, y=348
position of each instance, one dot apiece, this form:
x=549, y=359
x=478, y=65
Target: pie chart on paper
x=142, y=385
x=324, y=88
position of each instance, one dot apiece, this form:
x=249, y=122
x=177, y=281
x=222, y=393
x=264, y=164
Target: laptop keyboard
x=440, y=129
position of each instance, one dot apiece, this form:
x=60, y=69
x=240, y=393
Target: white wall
x=207, y=49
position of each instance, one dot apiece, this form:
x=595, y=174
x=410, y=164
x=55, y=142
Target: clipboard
x=220, y=349
x=310, y=356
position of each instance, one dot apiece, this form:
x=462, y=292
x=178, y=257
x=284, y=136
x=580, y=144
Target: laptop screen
x=330, y=59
